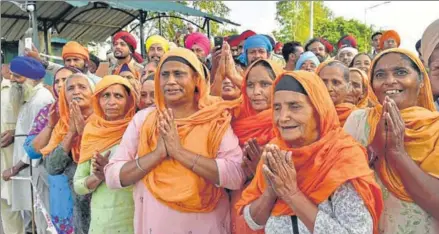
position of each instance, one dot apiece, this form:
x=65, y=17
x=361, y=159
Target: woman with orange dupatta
x=254, y=125
x=361, y=94
x=402, y=137
x=336, y=77
x=114, y=104
x=313, y=177
x=129, y=72
x=61, y=154
x=180, y=155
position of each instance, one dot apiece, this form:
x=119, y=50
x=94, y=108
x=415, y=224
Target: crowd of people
x=250, y=136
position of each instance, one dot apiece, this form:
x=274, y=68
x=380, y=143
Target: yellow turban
x=157, y=39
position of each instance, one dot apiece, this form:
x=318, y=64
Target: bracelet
x=195, y=162
x=138, y=165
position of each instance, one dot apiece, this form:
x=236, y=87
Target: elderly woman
x=147, y=92
x=253, y=125
x=61, y=154
x=361, y=61
x=60, y=197
x=180, y=155
x=308, y=61
x=323, y=184
x=114, y=104
x=401, y=135
x=360, y=94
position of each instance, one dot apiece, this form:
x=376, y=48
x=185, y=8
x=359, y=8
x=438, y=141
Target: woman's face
x=229, y=90
x=60, y=78
x=362, y=62
x=295, y=118
x=127, y=75
x=147, y=94
x=356, y=88
x=78, y=89
x=308, y=65
x=113, y=102
x=258, y=88
x=394, y=76
x=337, y=86
x=177, y=83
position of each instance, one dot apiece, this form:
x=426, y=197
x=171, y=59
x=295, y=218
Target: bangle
x=138, y=165
x=195, y=162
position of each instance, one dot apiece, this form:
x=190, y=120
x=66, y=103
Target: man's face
x=75, y=62
x=235, y=51
x=376, y=42
x=255, y=54
x=155, y=52
x=433, y=65
x=199, y=52
x=93, y=67
x=241, y=47
x=121, y=50
x=6, y=73
x=319, y=50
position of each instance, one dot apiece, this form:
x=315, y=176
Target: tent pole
x=142, y=33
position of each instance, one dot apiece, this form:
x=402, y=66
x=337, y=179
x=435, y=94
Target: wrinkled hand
x=53, y=115
x=7, y=138
x=251, y=155
x=279, y=169
x=99, y=162
x=78, y=118
x=33, y=53
x=229, y=62
x=8, y=173
x=161, y=148
x=169, y=132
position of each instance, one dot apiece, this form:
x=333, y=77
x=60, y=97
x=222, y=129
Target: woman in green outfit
x=112, y=211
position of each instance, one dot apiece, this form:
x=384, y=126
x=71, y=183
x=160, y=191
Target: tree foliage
x=293, y=18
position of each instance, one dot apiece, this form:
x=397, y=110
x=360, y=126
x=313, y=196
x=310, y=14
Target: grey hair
x=80, y=75
x=343, y=67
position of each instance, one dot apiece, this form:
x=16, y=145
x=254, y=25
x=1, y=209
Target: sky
x=409, y=19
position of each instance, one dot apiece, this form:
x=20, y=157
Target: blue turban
x=308, y=55
x=27, y=67
x=256, y=41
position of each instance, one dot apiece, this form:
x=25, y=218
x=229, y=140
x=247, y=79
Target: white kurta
x=21, y=189
x=7, y=123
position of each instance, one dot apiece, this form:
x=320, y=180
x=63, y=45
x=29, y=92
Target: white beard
x=16, y=98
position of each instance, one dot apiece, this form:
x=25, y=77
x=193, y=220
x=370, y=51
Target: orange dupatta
x=100, y=134
x=323, y=166
x=249, y=123
x=170, y=182
x=62, y=127
x=421, y=138
x=369, y=98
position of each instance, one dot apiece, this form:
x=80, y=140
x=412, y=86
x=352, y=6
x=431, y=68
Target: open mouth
x=172, y=91
x=77, y=99
x=286, y=128
x=259, y=101
x=393, y=91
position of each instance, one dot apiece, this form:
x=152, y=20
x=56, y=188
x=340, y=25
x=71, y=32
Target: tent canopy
x=88, y=21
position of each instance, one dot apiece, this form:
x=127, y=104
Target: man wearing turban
x=73, y=54
x=200, y=45
x=430, y=55
x=124, y=50
x=28, y=96
x=321, y=48
x=156, y=47
x=390, y=39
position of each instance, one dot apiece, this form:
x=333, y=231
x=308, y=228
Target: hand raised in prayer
x=230, y=63
x=251, y=154
x=169, y=132
x=7, y=137
x=280, y=172
x=161, y=148
x=53, y=116
x=33, y=53
x=98, y=164
x=78, y=118
x=269, y=189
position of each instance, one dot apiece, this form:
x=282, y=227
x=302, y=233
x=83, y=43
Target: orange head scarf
x=343, y=109
x=325, y=165
x=100, y=134
x=369, y=98
x=421, y=132
x=249, y=123
x=62, y=127
x=387, y=35
x=170, y=182
x=74, y=49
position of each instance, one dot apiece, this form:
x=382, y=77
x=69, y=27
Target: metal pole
x=160, y=25
x=35, y=28
x=208, y=28
x=46, y=37
x=311, y=20
x=142, y=33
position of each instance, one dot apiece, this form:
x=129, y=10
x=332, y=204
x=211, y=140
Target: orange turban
x=74, y=49
x=390, y=34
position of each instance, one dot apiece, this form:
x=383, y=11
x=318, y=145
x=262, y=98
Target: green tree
x=294, y=16
x=334, y=29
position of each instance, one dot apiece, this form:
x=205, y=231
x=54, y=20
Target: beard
x=321, y=58
x=119, y=55
x=16, y=99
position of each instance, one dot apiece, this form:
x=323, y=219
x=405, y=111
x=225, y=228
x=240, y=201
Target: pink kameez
x=154, y=217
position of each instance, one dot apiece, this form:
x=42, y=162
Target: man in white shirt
x=28, y=95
